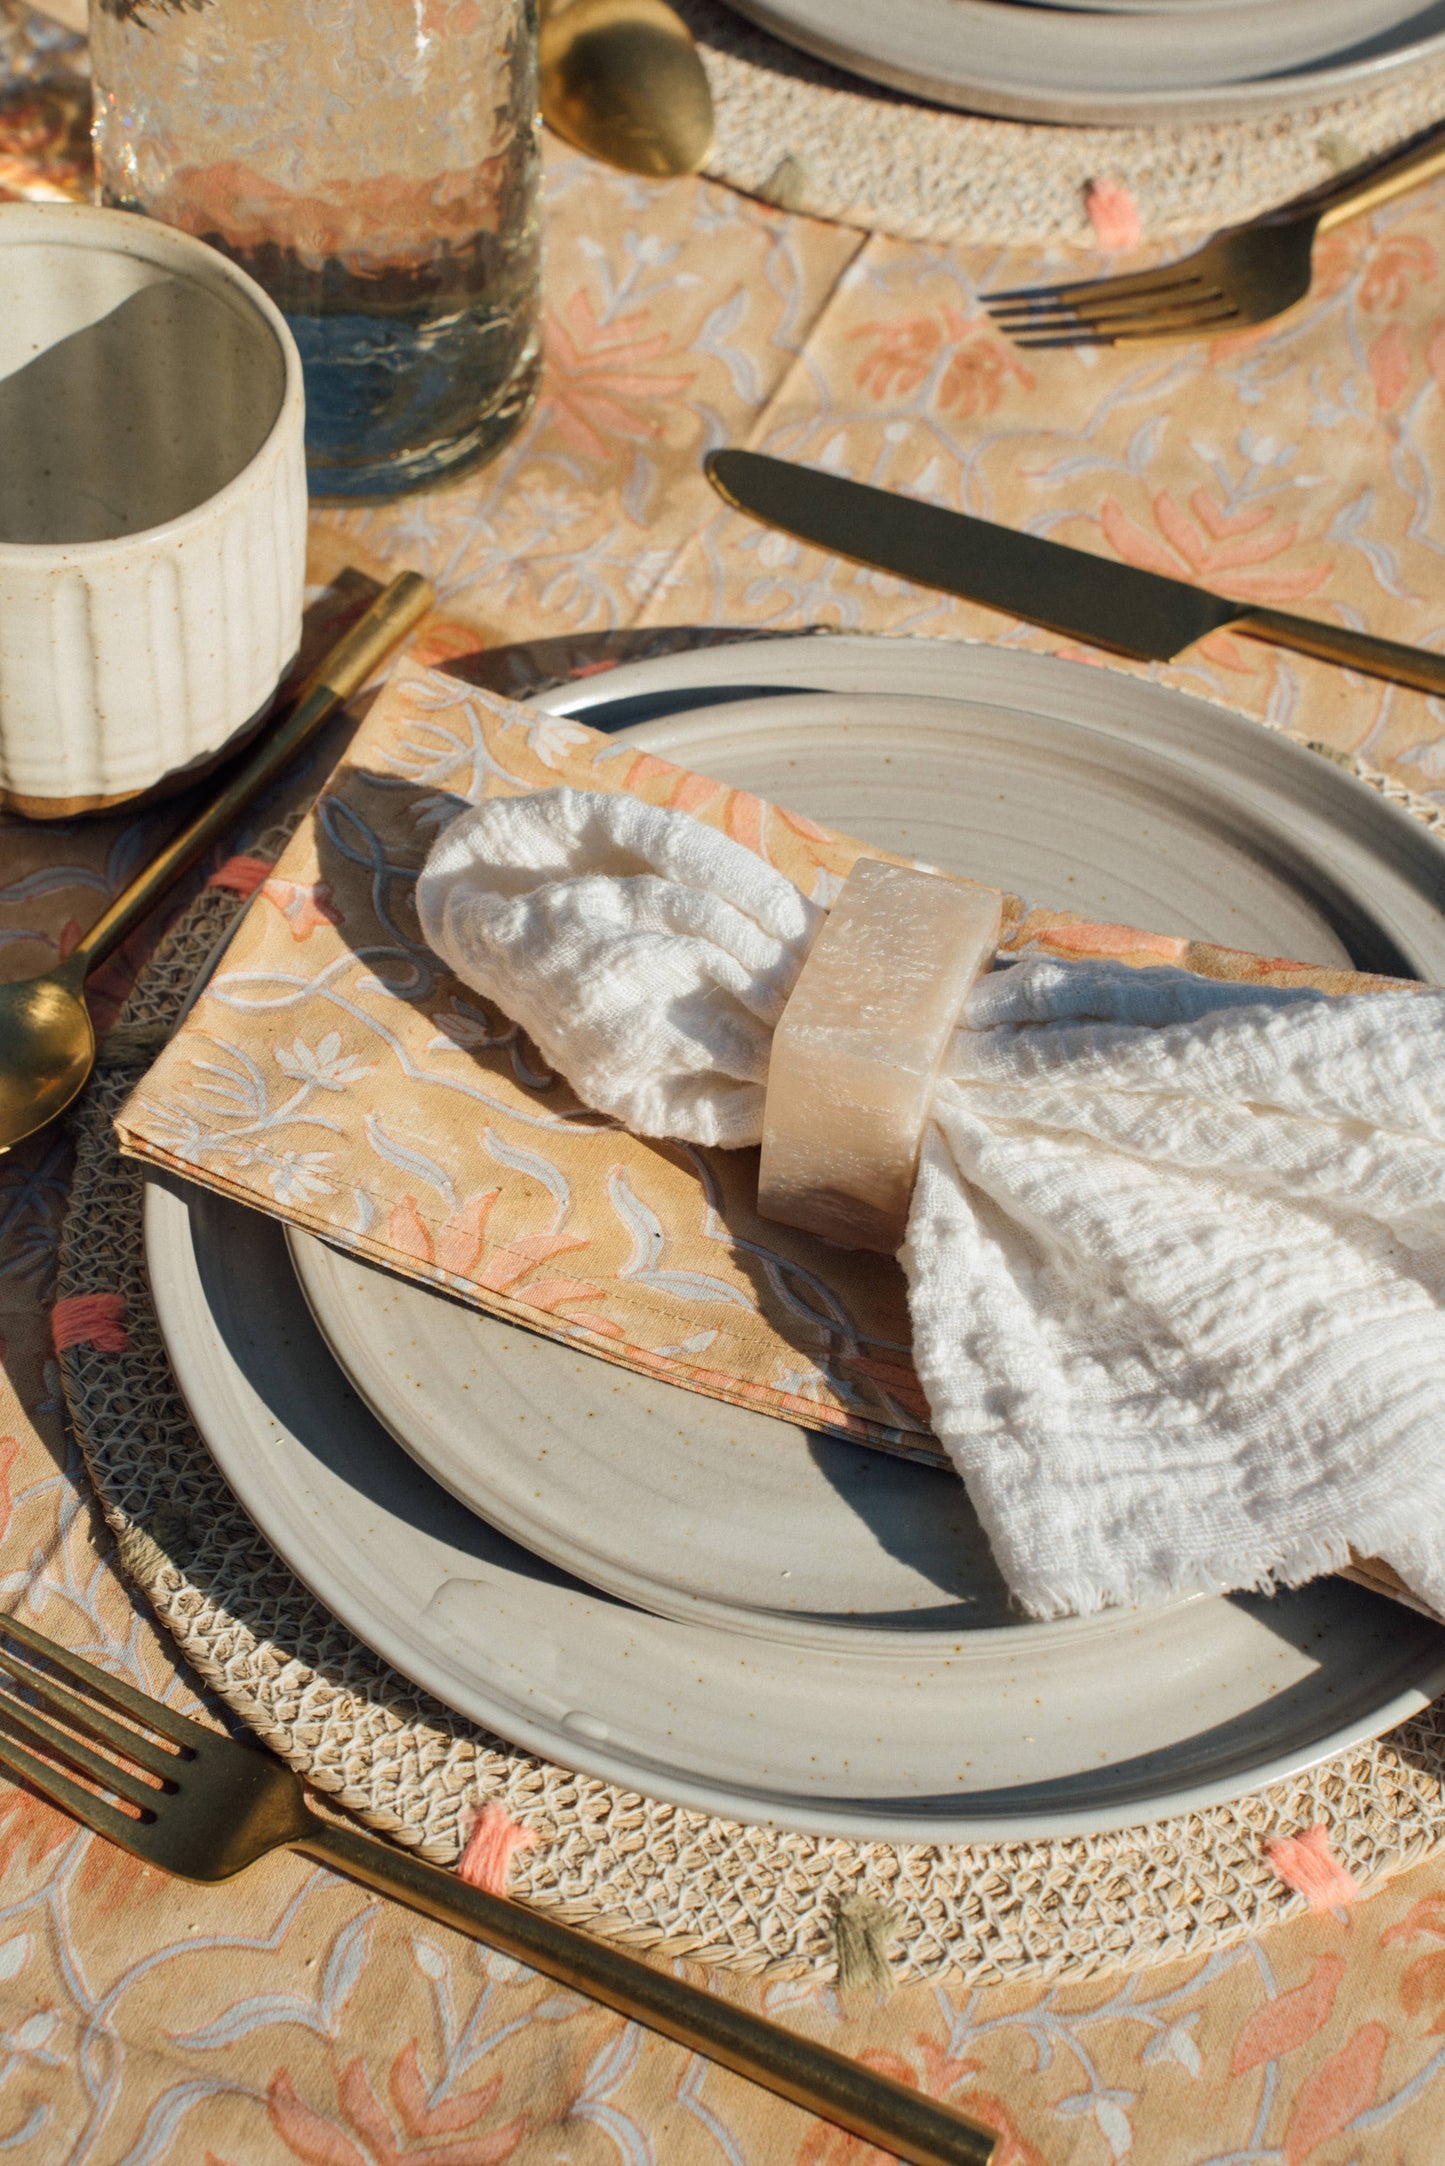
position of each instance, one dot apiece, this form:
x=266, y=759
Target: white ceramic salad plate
x=951, y=1720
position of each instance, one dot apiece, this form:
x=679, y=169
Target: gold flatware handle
x=340, y=673
x=891, y=2115
x=1383, y=179
x=1390, y=658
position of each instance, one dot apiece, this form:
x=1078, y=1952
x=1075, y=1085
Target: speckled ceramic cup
x=152, y=505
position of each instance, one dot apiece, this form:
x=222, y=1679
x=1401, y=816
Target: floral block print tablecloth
x=291, y=2017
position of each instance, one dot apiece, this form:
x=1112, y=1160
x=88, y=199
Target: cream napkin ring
x=860, y=1046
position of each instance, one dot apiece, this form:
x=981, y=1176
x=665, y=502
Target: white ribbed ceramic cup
x=152, y=505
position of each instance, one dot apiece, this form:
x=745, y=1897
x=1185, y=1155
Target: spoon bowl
x=47, y=1048
x=622, y=79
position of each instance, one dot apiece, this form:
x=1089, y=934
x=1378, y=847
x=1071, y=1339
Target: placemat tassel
x=96, y=1320
x=1307, y=1863
x=1113, y=213
x=862, y=1929
x=494, y=1840
x=242, y=875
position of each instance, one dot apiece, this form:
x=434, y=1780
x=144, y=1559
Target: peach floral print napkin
x=333, y=1075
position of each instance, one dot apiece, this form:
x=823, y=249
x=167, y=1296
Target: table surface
x=290, y=2016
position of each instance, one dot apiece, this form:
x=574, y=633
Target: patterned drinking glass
x=374, y=164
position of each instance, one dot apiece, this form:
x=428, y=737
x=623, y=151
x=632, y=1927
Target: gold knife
x=1141, y=614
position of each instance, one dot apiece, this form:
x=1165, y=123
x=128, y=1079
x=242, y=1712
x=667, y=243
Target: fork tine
x=1091, y=289
x=1128, y=332
x=179, y=1728
x=143, y=1750
x=1109, y=304
x=43, y=1732
x=71, y=1797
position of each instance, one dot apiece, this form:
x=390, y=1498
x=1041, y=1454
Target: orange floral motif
x=408, y=2088
x=1332, y=2094
x=305, y=906
x=646, y=767
x=1402, y=261
x=461, y=1239
x=365, y=2135
x=1423, y=1920
x=514, y=1259
x=1389, y=365
x=458, y=1244
x=1213, y=545
x=1422, y=1991
x=1216, y=548
x=108, y=1878
x=1435, y=354
x=825, y=2145
x=905, y=352
x=1123, y=942
x=977, y=376
x=9, y=1453
x=746, y=820
x=901, y=356
x=596, y=381
x=1287, y=2021
x=690, y=793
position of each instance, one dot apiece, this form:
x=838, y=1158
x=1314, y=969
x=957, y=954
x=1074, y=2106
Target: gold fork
x=1244, y=275
x=199, y=1804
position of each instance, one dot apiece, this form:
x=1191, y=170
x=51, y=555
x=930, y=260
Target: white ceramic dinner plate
x=693, y=1509
x=1091, y=65
x=951, y=1722
x=685, y=1506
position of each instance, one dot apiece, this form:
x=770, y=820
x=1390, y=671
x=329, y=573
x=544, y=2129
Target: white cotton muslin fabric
x=647, y=957
x=1176, y=1253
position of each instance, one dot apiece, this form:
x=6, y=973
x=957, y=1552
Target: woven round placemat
x=675, y=1881
x=810, y=138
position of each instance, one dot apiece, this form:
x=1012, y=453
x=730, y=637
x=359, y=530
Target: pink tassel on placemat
x=494, y=1840
x=242, y=875
x=1307, y=1863
x=96, y=1320
x=1113, y=214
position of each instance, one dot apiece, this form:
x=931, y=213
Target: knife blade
x=1141, y=614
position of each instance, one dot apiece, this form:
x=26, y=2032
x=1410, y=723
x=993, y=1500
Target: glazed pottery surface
x=152, y=504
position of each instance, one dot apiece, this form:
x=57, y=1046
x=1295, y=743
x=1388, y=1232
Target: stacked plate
x=1119, y=61
x=710, y=1605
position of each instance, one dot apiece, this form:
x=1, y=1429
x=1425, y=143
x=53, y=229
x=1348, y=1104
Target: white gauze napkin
x=1176, y=1254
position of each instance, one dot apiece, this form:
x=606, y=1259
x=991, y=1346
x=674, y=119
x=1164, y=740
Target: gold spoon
x=622, y=79
x=47, y=1040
